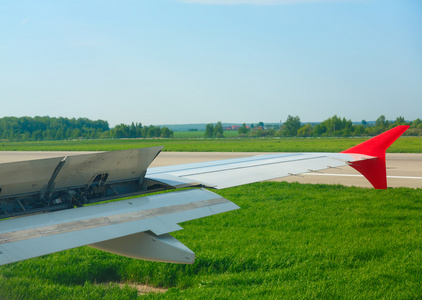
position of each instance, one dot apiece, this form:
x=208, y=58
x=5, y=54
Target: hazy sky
x=201, y=61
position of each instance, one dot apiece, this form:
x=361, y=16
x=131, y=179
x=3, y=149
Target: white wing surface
x=119, y=223
x=233, y=172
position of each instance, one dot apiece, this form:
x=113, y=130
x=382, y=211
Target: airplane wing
x=136, y=227
x=140, y=227
x=233, y=172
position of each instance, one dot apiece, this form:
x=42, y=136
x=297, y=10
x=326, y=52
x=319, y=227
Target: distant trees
x=212, y=131
x=331, y=127
x=243, y=130
x=166, y=133
x=209, y=131
x=46, y=128
x=291, y=126
x=305, y=130
x=334, y=126
x=218, y=130
x=136, y=130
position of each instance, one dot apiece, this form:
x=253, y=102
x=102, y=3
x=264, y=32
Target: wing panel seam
x=105, y=221
x=246, y=167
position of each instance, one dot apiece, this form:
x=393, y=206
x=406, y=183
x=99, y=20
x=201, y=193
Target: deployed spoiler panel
x=64, y=182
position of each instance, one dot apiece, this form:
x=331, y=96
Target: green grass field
x=289, y=241
x=403, y=144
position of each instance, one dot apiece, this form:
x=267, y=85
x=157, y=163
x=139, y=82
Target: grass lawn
x=289, y=241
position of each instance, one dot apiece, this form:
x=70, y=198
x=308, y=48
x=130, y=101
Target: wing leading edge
x=139, y=227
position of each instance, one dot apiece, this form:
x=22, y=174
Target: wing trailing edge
x=374, y=169
x=119, y=223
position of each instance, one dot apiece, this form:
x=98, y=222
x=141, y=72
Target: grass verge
x=403, y=145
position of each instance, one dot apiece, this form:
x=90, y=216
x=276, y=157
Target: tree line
x=212, y=131
x=136, y=130
x=331, y=127
x=51, y=128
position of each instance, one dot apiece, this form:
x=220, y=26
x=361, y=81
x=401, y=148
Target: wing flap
x=36, y=235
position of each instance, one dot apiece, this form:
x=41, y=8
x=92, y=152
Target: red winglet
x=374, y=169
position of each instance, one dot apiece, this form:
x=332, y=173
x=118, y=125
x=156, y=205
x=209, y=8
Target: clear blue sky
x=201, y=61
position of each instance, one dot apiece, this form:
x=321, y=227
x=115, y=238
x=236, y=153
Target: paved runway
x=403, y=169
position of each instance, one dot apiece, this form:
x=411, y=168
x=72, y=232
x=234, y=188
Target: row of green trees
x=331, y=127
x=46, y=128
x=214, y=131
x=139, y=131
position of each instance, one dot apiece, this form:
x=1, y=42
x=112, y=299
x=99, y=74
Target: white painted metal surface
x=31, y=176
x=121, y=165
x=233, y=172
x=36, y=235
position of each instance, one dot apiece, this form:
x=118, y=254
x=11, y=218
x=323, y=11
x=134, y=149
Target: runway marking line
x=354, y=175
